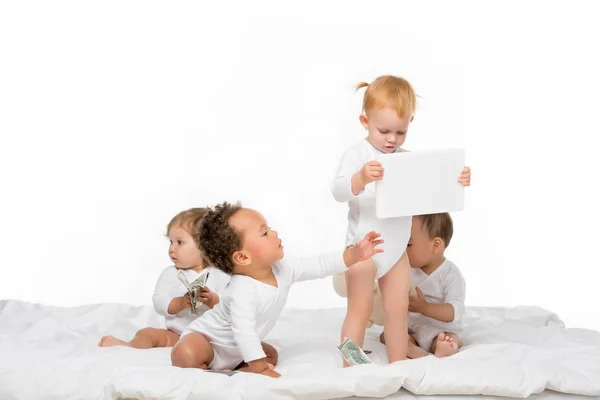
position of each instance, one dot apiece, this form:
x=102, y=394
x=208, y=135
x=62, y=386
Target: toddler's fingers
x=373, y=235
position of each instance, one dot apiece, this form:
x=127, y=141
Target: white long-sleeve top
x=361, y=214
x=168, y=287
x=249, y=308
x=444, y=285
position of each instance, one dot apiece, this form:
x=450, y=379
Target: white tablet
x=420, y=182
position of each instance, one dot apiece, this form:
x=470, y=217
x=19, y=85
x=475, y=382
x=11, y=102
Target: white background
x=116, y=115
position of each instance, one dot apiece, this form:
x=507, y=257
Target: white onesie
x=168, y=287
x=361, y=217
x=445, y=285
x=249, y=309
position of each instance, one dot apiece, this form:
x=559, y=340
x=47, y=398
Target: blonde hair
x=438, y=225
x=389, y=91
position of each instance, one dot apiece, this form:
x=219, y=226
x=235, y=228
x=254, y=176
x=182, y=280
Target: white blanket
x=51, y=353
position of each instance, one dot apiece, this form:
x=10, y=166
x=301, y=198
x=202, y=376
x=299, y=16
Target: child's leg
x=270, y=352
x=446, y=344
x=414, y=351
x=146, y=338
x=359, y=281
x=192, y=351
x=394, y=287
x=378, y=314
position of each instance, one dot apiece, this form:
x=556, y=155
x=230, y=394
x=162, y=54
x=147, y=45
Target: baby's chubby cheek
x=254, y=248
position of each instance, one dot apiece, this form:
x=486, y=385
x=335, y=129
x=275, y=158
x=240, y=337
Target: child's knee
x=148, y=332
x=183, y=356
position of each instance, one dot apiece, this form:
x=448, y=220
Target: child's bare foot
x=109, y=341
x=445, y=346
x=271, y=366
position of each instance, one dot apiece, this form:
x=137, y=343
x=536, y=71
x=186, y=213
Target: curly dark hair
x=218, y=239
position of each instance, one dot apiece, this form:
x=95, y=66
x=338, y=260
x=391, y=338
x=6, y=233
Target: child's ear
x=240, y=258
x=438, y=245
x=364, y=120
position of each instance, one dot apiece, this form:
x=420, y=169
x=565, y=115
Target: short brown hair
x=190, y=221
x=438, y=225
x=218, y=239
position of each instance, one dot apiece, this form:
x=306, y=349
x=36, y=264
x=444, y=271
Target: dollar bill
x=352, y=353
x=194, y=288
x=229, y=373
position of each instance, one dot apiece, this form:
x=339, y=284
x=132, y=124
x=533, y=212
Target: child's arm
x=441, y=312
x=244, y=309
x=353, y=175
x=454, y=289
x=308, y=268
x=208, y=297
x=164, y=303
x=217, y=281
x=165, y=306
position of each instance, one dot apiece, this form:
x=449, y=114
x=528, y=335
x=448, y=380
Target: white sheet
x=50, y=353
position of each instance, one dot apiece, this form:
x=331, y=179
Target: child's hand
x=271, y=372
x=366, y=248
x=417, y=303
x=371, y=171
x=465, y=177
x=185, y=301
x=208, y=297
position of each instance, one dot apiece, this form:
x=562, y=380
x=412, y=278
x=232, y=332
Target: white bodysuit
x=361, y=217
x=168, y=287
x=249, y=309
x=445, y=285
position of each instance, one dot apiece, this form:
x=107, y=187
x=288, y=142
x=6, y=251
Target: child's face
x=183, y=251
x=259, y=243
x=420, y=245
x=387, y=131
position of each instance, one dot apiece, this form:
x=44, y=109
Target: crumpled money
x=352, y=353
x=194, y=288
